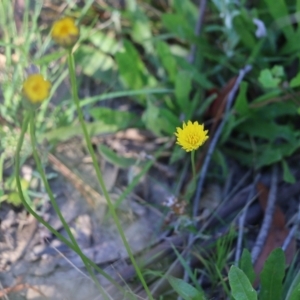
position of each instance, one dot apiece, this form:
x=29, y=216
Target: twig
x=292, y=232
x=263, y=233
x=215, y=139
x=242, y=219
x=201, y=11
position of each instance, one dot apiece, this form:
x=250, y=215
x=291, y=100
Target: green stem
x=193, y=164
x=55, y=205
x=39, y=218
x=71, y=65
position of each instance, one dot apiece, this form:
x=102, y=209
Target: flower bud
x=36, y=89
x=65, y=32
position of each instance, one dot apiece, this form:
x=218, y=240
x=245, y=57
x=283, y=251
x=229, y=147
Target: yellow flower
x=65, y=32
x=191, y=136
x=36, y=89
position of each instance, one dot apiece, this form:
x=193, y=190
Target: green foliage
x=272, y=275
x=113, y=158
x=185, y=290
x=241, y=288
x=246, y=266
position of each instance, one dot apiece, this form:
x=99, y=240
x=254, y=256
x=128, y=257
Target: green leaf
x=279, y=11
x=115, y=159
x=67, y=132
x=246, y=265
x=241, y=288
x=295, y=82
x=295, y=294
x=141, y=29
x=122, y=119
x=167, y=59
x=294, y=288
x=245, y=29
x=266, y=129
x=132, y=70
x=95, y=63
x=278, y=71
x=185, y=290
x=178, y=25
x=287, y=175
x=272, y=275
x=183, y=87
x=267, y=79
x=104, y=42
x=241, y=103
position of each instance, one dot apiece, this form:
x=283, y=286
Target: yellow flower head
x=191, y=136
x=36, y=89
x=65, y=32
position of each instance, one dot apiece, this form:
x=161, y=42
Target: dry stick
x=242, y=219
x=202, y=7
x=215, y=138
x=263, y=233
x=292, y=232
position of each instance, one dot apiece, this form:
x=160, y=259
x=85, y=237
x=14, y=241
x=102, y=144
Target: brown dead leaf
x=277, y=233
x=217, y=108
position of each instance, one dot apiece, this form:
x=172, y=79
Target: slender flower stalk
x=111, y=207
x=193, y=163
x=39, y=218
x=55, y=205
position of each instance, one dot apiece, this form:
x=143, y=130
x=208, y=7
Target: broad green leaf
x=294, y=289
x=246, y=265
x=295, y=82
x=158, y=119
x=178, y=25
x=193, y=72
x=267, y=79
x=266, y=129
x=241, y=102
x=132, y=70
x=122, y=119
x=278, y=71
x=103, y=41
x=115, y=159
x=95, y=63
x=295, y=294
x=245, y=29
x=272, y=275
x=167, y=59
x=183, y=87
x=141, y=29
x=186, y=8
x=241, y=288
x=287, y=175
x=279, y=11
x=14, y=199
x=185, y=290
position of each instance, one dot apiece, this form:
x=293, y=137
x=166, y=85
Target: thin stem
x=54, y=203
x=193, y=164
x=71, y=65
x=39, y=218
